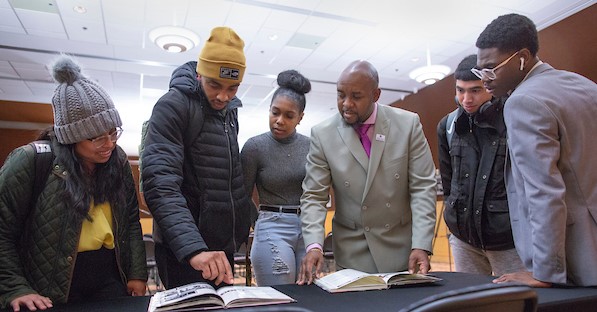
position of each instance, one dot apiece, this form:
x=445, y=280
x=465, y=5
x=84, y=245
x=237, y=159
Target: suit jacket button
x=387, y=226
x=397, y=176
x=366, y=229
x=346, y=183
x=69, y=259
x=364, y=208
x=388, y=205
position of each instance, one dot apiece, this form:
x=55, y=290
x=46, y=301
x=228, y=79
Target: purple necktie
x=362, y=131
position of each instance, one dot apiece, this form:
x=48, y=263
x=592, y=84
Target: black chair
x=328, y=247
x=486, y=298
x=328, y=254
x=242, y=258
x=152, y=268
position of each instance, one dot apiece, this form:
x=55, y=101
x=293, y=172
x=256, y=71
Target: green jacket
x=38, y=248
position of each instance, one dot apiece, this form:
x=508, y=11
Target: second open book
x=353, y=280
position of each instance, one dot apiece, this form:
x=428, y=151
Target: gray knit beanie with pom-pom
x=82, y=109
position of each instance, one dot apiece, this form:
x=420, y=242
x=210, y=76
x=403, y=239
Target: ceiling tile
x=9, y=19
x=6, y=70
x=285, y=21
x=93, y=10
x=48, y=6
x=40, y=21
x=126, y=35
x=45, y=89
x=172, y=12
x=116, y=12
x=85, y=30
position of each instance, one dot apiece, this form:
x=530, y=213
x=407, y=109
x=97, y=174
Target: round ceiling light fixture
x=174, y=39
x=429, y=74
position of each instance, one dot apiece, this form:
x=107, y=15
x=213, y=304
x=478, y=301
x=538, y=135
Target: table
x=315, y=299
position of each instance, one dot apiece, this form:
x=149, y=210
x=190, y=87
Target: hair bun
x=65, y=70
x=292, y=79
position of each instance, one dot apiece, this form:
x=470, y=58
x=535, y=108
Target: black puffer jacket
x=38, y=247
x=192, y=177
x=472, y=173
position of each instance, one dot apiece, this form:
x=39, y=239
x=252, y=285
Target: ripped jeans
x=278, y=248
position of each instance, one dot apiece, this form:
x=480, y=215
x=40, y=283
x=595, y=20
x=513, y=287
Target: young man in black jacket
x=192, y=177
x=472, y=171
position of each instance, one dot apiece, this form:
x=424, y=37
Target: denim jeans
x=277, y=249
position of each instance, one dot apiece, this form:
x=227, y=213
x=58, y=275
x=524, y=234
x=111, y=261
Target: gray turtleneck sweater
x=277, y=167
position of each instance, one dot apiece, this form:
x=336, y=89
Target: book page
x=240, y=296
x=186, y=295
x=349, y=279
x=405, y=278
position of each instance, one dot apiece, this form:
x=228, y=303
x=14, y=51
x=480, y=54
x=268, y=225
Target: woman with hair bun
x=274, y=162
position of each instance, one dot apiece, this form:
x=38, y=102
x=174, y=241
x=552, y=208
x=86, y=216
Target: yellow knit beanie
x=222, y=56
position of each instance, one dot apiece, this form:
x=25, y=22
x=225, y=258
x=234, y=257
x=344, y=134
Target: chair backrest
x=149, y=248
x=328, y=247
x=485, y=297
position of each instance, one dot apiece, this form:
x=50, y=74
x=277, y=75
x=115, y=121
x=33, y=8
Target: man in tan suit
x=385, y=200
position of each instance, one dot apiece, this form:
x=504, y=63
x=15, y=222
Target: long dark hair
x=106, y=183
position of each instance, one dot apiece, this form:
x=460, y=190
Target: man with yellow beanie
x=192, y=178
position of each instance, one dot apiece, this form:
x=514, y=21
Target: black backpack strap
x=43, y=165
x=450, y=125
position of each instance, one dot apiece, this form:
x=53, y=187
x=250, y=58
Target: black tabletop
x=315, y=299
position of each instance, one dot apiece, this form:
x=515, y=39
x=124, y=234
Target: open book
x=202, y=296
x=353, y=280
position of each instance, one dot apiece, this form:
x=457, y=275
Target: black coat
x=192, y=175
x=472, y=171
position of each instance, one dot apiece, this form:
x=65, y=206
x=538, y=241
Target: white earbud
x=521, y=63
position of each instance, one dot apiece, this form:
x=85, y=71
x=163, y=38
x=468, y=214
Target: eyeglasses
x=489, y=73
x=103, y=140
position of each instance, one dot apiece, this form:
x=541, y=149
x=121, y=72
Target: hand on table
x=214, y=265
x=32, y=302
x=310, y=267
x=522, y=277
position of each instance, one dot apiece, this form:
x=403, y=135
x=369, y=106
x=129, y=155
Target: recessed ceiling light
x=273, y=37
x=80, y=9
x=429, y=74
x=174, y=39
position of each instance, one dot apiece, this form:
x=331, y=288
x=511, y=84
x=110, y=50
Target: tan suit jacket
x=385, y=205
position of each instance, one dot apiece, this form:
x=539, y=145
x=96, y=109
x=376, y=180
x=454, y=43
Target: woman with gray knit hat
x=76, y=235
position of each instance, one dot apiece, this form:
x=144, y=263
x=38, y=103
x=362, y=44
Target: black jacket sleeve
x=163, y=160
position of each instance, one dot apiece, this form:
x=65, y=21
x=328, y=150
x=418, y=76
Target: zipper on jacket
x=74, y=256
x=117, y=247
x=230, y=169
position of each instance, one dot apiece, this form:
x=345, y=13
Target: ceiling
x=317, y=37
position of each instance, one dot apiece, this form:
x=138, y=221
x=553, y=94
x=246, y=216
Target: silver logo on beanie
x=229, y=73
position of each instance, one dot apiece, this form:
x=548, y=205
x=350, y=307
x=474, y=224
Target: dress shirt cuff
x=314, y=245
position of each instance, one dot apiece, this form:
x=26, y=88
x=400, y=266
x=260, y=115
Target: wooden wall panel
x=570, y=44
x=13, y=138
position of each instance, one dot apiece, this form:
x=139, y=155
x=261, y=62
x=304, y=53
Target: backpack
x=43, y=165
x=450, y=124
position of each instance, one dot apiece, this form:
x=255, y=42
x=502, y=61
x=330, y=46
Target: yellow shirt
x=98, y=232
